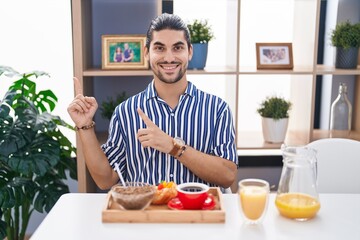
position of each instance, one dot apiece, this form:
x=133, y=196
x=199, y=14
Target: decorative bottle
x=341, y=111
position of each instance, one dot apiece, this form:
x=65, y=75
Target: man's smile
x=169, y=67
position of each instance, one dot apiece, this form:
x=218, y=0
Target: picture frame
x=274, y=56
x=124, y=52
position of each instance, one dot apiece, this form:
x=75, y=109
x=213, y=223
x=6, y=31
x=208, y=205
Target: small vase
x=346, y=58
x=199, y=57
x=274, y=131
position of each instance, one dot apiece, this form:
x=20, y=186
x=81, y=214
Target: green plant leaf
x=24, y=88
x=107, y=107
x=7, y=197
x=14, y=192
x=8, y=71
x=67, y=151
x=9, y=97
x=2, y=227
x=346, y=35
x=19, y=196
x=38, y=156
x=50, y=193
x=274, y=107
x=47, y=97
x=15, y=135
x=200, y=31
x=6, y=176
x=36, y=74
x=4, y=112
x=45, y=100
x=45, y=121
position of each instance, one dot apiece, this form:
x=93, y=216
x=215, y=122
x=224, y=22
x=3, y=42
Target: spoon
x=120, y=175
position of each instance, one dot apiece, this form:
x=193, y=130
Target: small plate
x=209, y=203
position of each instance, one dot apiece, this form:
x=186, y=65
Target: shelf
x=106, y=73
x=254, y=140
x=258, y=152
x=320, y=134
x=298, y=70
x=323, y=70
x=97, y=72
x=221, y=70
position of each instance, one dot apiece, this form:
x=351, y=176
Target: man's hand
x=82, y=109
x=153, y=136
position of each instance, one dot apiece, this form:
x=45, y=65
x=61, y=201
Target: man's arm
x=96, y=161
x=81, y=111
x=210, y=168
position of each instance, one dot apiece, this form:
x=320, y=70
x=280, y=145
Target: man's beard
x=162, y=78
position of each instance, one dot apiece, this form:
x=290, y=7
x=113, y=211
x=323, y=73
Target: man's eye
x=178, y=48
x=158, y=48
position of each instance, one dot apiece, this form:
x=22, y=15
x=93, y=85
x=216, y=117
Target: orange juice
x=253, y=201
x=297, y=205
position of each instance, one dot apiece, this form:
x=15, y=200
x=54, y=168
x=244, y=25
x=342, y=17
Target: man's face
x=168, y=55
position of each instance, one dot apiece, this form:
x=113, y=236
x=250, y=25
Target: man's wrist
x=86, y=127
x=178, y=147
x=181, y=152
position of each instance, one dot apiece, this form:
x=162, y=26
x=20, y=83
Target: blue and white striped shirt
x=202, y=120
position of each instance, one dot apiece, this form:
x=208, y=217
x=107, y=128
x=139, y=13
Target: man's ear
x=146, y=54
x=190, y=52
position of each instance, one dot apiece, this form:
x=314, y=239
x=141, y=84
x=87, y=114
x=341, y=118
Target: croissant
x=164, y=193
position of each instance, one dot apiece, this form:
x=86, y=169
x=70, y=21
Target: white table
x=78, y=216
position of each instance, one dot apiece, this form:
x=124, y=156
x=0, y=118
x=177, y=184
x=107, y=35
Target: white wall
x=36, y=35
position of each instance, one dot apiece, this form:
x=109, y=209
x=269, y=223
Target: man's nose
x=169, y=56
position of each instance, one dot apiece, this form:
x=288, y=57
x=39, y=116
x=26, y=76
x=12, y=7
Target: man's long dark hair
x=167, y=21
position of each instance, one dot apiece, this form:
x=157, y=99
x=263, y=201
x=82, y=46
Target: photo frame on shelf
x=274, y=56
x=124, y=52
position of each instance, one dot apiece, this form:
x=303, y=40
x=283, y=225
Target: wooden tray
x=162, y=214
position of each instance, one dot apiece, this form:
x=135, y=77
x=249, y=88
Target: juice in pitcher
x=297, y=205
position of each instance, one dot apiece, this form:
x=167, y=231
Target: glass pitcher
x=297, y=196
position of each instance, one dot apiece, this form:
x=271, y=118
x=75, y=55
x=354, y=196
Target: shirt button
x=171, y=175
x=172, y=114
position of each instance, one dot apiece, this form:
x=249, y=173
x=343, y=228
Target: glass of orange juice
x=254, y=197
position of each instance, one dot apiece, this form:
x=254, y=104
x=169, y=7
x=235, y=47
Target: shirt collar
x=151, y=91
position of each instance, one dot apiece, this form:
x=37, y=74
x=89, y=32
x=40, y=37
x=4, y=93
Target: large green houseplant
x=346, y=38
x=34, y=154
x=275, y=115
x=200, y=35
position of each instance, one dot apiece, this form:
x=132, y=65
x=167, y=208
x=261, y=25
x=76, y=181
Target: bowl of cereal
x=134, y=195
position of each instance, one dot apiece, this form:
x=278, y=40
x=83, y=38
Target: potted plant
x=346, y=38
x=107, y=107
x=34, y=154
x=200, y=34
x=275, y=115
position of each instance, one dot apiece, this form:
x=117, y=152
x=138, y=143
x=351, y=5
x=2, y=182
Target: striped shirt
x=202, y=120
